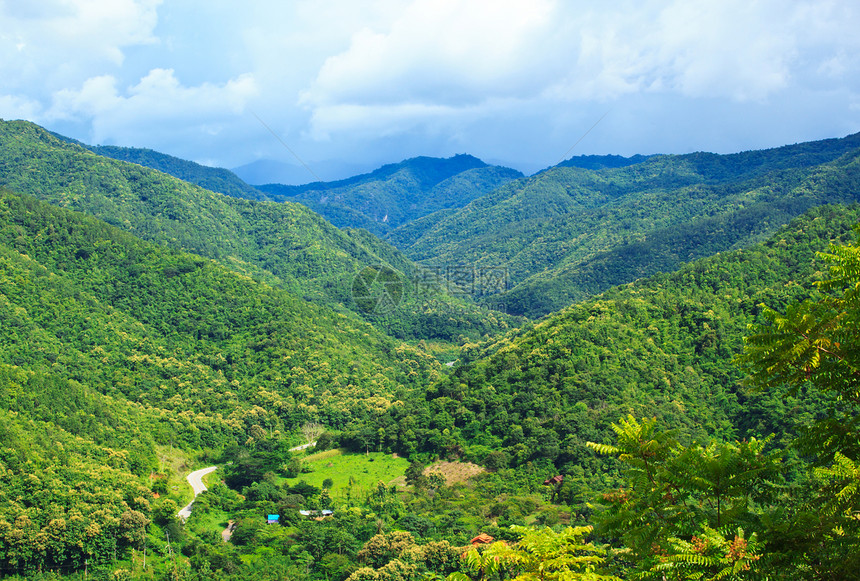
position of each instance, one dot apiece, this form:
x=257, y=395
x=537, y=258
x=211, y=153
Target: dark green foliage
x=602, y=161
x=659, y=347
x=397, y=193
x=569, y=233
x=815, y=345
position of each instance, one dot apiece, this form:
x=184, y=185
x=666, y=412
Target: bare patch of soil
x=455, y=471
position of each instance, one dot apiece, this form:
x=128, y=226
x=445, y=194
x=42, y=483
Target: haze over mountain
x=270, y=171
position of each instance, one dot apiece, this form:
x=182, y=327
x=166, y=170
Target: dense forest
x=699, y=423
x=397, y=194
x=569, y=233
x=283, y=244
x=214, y=179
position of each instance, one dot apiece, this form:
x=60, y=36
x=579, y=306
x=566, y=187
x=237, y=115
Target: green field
x=366, y=470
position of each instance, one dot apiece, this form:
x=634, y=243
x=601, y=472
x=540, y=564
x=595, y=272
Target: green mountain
x=214, y=179
x=569, y=233
x=117, y=351
x=658, y=347
x=110, y=345
x=602, y=161
x=399, y=193
x=284, y=244
x=176, y=331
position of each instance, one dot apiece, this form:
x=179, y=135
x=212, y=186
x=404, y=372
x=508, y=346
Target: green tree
x=676, y=493
x=814, y=346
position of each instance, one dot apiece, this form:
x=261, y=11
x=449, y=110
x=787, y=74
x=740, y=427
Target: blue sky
x=365, y=83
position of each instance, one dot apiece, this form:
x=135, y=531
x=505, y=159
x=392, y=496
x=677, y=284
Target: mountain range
x=152, y=307
x=398, y=193
x=568, y=233
x=284, y=244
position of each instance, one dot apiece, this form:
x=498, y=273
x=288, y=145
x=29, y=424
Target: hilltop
x=397, y=193
x=569, y=233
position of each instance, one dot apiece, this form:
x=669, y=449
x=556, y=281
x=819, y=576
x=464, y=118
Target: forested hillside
x=124, y=362
x=399, y=193
x=110, y=345
x=176, y=331
x=634, y=398
x=283, y=244
x=659, y=347
x=569, y=233
x=214, y=179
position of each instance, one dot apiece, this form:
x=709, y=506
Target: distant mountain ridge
x=397, y=193
x=568, y=233
x=602, y=161
x=215, y=179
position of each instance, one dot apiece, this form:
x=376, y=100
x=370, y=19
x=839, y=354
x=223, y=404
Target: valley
x=615, y=368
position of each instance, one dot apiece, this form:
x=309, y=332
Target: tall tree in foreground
x=688, y=511
x=816, y=345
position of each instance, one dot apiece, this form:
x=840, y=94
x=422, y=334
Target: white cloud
x=386, y=78
x=158, y=100
x=17, y=107
x=437, y=57
x=55, y=42
x=447, y=51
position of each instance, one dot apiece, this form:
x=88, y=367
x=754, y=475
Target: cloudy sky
x=365, y=83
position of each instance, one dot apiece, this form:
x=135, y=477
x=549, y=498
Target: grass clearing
x=365, y=470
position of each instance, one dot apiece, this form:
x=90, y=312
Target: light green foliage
x=674, y=491
x=546, y=554
x=361, y=472
x=710, y=556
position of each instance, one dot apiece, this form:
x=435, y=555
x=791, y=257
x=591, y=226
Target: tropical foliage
x=617, y=429
x=284, y=245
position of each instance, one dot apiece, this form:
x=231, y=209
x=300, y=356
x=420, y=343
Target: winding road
x=195, y=479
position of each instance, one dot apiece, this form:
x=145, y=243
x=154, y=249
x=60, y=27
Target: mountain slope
x=171, y=330
x=569, y=232
x=214, y=179
x=283, y=244
x=662, y=346
x=110, y=346
x=397, y=193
